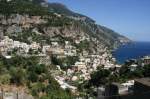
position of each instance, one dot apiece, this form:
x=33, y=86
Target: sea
x=134, y=50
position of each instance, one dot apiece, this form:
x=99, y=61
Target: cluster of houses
x=8, y=45
x=60, y=51
x=89, y=63
x=82, y=68
x=80, y=71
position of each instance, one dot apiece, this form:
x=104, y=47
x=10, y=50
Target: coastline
x=132, y=50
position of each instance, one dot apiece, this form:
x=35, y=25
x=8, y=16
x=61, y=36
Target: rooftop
x=144, y=81
x=146, y=57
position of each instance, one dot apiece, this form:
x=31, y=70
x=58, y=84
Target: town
x=82, y=68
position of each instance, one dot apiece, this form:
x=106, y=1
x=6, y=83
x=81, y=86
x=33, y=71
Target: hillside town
x=47, y=51
x=80, y=70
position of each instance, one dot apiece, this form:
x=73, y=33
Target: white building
x=35, y=46
x=80, y=65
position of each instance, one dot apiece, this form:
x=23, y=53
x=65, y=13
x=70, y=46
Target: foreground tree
x=100, y=77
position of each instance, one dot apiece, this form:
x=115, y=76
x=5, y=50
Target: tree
x=36, y=88
x=99, y=77
x=28, y=72
x=5, y=79
x=18, y=76
x=146, y=70
x=64, y=63
x=124, y=71
x=1, y=67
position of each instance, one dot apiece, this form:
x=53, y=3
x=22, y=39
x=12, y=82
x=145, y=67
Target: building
x=110, y=91
x=145, y=60
x=80, y=65
x=142, y=85
x=117, y=91
x=133, y=67
x=141, y=89
x=56, y=50
x=101, y=93
x=35, y=46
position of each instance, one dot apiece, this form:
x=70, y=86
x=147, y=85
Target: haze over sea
x=133, y=50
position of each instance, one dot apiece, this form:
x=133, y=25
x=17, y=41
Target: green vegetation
x=98, y=78
x=21, y=7
x=24, y=7
x=23, y=71
x=59, y=21
x=64, y=63
x=104, y=35
x=83, y=45
x=125, y=73
x=146, y=70
x=60, y=8
x=101, y=77
x=28, y=37
x=61, y=40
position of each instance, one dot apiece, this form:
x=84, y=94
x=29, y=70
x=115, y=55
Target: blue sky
x=128, y=17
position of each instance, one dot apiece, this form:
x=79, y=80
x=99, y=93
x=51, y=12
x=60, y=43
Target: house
x=141, y=89
x=55, y=44
x=142, y=85
x=115, y=91
x=69, y=50
x=56, y=50
x=16, y=44
x=145, y=60
x=45, y=49
x=133, y=67
x=35, y=46
x=110, y=91
x=80, y=65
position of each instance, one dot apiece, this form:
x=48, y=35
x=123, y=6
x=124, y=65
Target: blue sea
x=132, y=50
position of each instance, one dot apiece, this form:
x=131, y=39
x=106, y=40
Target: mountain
x=61, y=19
x=102, y=33
x=62, y=9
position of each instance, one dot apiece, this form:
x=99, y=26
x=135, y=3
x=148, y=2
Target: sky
x=130, y=18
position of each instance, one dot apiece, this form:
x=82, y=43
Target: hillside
x=90, y=23
x=83, y=23
x=50, y=49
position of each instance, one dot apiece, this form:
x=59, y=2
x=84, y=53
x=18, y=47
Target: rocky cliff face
x=55, y=23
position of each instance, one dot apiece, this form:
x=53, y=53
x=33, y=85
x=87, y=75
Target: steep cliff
x=24, y=17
